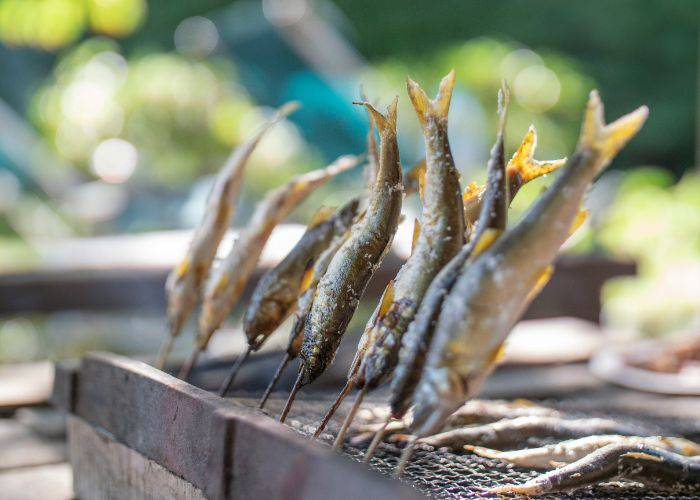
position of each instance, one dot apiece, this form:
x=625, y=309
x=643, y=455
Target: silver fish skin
x=341, y=287
x=441, y=234
x=492, y=292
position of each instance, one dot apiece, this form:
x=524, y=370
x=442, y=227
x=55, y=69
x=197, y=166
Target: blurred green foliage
x=182, y=115
x=53, y=24
x=656, y=221
x=637, y=52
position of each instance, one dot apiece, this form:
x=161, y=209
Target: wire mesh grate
x=443, y=474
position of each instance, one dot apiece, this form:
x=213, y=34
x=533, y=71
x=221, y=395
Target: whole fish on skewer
x=491, y=294
x=307, y=290
x=566, y=452
x=641, y=463
x=184, y=283
x=341, y=287
x=275, y=296
x=228, y=280
x=437, y=239
x=492, y=222
x=412, y=180
x=521, y=168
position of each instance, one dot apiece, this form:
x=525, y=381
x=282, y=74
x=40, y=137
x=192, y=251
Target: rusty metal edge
x=225, y=449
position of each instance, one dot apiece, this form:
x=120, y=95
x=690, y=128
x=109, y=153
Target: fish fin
x=497, y=354
x=308, y=277
x=483, y=452
x=424, y=106
x=183, y=267
x=640, y=455
x=608, y=139
x=322, y=214
x=580, y=218
x=471, y=191
x=522, y=167
x=414, y=179
x=486, y=240
x=416, y=234
x=421, y=181
x=387, y=299
x=555, y=464
x=523, y=403
x=542, y=280
x=383, y=122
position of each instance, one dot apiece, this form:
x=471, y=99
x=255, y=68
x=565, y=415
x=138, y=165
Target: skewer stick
x=292, y=395
x=186, y=368
x=378, y=436
x=164, y=351
x=334, y=407
x=405, y=457
x=340, y=438
x=226, y=386
x=275, y=378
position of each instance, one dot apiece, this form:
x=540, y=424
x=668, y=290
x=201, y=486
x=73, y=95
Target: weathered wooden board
x=221, y=448
x=47, y=482
x=20, y=447
x=106, y=469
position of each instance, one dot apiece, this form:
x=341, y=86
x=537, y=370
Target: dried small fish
x=491, y=223
x=341, y=287
x=277, y=291
x=307, y=291
x=185, y=281
x=566, y=452
x=640, y=463
x=440, y=237
x=476, y=411
x=228, y=280
x=513, y=432
x=491, y=294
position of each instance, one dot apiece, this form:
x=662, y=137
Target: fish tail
x=608, y=140
x=523, y=165
x=383, y=121
x=426, y=107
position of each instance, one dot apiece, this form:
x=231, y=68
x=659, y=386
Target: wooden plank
x=23, y=448
x=104, y=468
x=47, y=482
x=25, y=384
x=220, y=447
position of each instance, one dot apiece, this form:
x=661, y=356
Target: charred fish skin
x=276, y=293
x=305, y=301
x=491, y=294
x=641, y=463
x=416, y=341
x=341, y=287
x=441, y=233
x=184, y=282
x=228, y=281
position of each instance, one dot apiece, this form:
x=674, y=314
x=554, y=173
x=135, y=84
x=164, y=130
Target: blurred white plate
x=610, y=364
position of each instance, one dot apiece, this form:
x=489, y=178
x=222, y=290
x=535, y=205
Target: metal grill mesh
x=442, y=474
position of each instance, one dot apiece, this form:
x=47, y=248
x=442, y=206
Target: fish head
x=440, y=392
x=266, y=319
